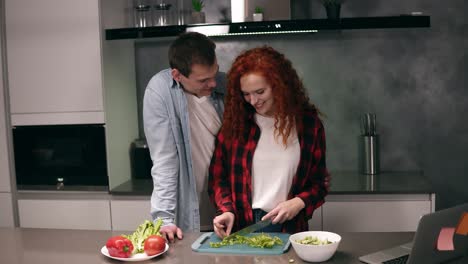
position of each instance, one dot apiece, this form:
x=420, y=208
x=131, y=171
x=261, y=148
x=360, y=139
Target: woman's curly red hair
x=288, y=93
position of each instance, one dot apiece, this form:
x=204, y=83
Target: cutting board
x=202, y=244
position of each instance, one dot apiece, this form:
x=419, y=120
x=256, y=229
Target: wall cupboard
x=54, y=62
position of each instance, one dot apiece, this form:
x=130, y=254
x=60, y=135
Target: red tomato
x=154, y=245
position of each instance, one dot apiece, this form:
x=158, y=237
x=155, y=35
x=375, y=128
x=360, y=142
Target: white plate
x=136, y=257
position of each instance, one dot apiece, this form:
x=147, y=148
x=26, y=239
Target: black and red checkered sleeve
x=314, y=170
x=219, y=189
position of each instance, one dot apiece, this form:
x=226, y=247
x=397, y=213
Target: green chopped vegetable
x=310, y=240
x=259, y=241
x=143, y=231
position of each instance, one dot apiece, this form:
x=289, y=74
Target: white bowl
x=315, y=253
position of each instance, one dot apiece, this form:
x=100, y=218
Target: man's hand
x=284, y=211
x=222, y=224
x=169, y=231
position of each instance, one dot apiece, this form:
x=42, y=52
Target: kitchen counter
x=355, y=203
x=343, y=182
x=54, y=246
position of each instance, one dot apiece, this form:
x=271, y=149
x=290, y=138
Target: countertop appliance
x=141, y=162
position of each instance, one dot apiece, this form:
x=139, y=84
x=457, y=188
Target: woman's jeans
x=257, y=217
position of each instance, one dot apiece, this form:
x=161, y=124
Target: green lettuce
x=143, y=231
x=259, y=241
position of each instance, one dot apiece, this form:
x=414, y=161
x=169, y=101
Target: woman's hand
x=284, y=211
x=222, y=224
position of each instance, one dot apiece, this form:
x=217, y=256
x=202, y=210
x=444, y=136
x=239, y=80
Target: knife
x=251, y=228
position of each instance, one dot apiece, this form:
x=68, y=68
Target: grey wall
x=413, y=79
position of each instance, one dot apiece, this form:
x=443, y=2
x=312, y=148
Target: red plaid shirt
x=230, y=183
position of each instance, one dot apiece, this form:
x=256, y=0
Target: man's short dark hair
x=189, y=49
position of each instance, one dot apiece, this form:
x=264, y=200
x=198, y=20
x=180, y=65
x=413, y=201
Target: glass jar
x=162, y=14
x=142, y=16
x=180, y=13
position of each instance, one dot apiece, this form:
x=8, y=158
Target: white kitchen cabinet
x=5, y=185
x=54, y=61
x=6, y=203
x=129, y=212
x=6, y=209
x=375, y=212
x=64, y=211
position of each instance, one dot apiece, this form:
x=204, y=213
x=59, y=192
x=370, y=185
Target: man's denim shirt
x=167, y=131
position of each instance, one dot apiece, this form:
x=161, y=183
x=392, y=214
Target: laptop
x=422, y=250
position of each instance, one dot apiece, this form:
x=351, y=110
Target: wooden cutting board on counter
x=202, y=244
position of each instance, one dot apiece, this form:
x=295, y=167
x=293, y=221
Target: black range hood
x=273, y=27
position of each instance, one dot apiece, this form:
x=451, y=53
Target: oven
x=60, y=156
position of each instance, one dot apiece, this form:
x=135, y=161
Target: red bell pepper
x=119, y=246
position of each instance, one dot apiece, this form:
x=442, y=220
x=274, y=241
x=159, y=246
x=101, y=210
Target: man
x=182, y=112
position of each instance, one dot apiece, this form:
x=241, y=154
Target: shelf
x=273, y=27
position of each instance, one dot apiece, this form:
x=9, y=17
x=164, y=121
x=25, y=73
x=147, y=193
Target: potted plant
x=198, y=16
x=258, y=14
x=333, y=8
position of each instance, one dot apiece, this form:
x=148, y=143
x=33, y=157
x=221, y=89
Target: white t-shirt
x=274, y=165
x=204, y=125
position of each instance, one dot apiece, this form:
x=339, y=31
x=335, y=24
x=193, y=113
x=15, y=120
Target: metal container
x=369, y=154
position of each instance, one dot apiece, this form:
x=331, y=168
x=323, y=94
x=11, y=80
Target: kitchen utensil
x=252, y=228
x=369, y=160
x=368, y=124
x=202, y=245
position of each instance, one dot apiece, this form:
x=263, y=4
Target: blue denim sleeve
x=162, y=145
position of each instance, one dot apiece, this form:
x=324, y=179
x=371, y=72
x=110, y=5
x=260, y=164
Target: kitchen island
x=58, y=246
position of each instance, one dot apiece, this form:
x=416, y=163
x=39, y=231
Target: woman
x=269, y=159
